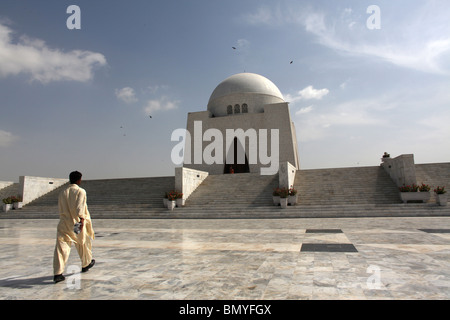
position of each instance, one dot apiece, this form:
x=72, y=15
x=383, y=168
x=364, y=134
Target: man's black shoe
x=89, y=266
x=58, y=278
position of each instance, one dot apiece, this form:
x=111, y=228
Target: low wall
x=32, y=188
x=4, y=184
x=286, y=175
x=401, y=169
x=187, y=180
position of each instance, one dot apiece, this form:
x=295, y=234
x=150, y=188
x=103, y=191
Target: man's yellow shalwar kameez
x=72, y=207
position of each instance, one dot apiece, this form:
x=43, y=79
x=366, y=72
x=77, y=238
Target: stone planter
x=17, y=205
x=284, y=202
x=292, y=200
x=6, y=207
x=415, y=196
x=441, y=199
x=180, y=202
x=171, y=205
x=276, y=200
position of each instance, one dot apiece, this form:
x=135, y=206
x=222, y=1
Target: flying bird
x=234, y=48
x=150, y=117
x=291, y=62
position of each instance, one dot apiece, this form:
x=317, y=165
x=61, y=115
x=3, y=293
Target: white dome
x=249, y=89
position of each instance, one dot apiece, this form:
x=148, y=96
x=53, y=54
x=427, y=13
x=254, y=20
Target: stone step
x=234, y=189
x=12, y=190
x=117, y=191
x=434, y=174
x=341, y=192
x=298, y=211
x=345, y=185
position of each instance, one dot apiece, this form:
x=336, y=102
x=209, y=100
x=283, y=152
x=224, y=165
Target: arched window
x=237, y=108
x=244, y=108
x=230, y=109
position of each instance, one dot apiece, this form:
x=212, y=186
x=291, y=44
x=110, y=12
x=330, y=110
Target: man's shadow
x=28, y=283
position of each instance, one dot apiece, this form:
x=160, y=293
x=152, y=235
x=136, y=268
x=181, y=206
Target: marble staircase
x=434, y=174
x=339, y=192
x=343, y=186
x=246, y=190
x=12, y=190
x=106, y=198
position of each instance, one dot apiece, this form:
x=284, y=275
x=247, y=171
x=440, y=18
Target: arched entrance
x=236, y=167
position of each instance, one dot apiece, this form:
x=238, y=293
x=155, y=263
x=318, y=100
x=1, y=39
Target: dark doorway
x=236, y=167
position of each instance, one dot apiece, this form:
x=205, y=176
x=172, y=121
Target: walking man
x=73, y=209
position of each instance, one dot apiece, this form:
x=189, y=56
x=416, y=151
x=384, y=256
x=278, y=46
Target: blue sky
x=81, y=99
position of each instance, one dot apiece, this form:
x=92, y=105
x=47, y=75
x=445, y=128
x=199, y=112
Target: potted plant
x=441, y=197
x=276, y=196
x=424, y=188
x=411, y=193
x=292, y=196
x=171, y=199
x=16, y=202
x=284, y=194
x=7, y=204
x=165, y=199
x=179, y=200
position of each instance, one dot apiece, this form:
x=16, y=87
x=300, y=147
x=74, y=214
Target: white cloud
x=155, y=88
x=42, y=63
x=162, y=104
x=6, y=138
x=311, y=93
x=126, y=95
x=264, y=15
x=416, y=37
x=392, y=117
x=304, y=110
x=307, y=93
x=329, y=122
x=344, y=84
x=406, y=46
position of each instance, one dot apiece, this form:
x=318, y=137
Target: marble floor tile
x=227, y=259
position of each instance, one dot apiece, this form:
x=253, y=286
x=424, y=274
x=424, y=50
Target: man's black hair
x=75, y=176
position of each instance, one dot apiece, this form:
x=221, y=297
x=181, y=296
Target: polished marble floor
x=282, y=259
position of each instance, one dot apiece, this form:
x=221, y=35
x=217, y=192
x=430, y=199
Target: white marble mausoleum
x=251, y=107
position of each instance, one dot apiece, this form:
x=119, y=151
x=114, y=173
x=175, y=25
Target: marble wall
x=401, y=169
x=275, y=119
x=286, y=175
x=187, y=180
x=32, y=188
x=4, y=184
